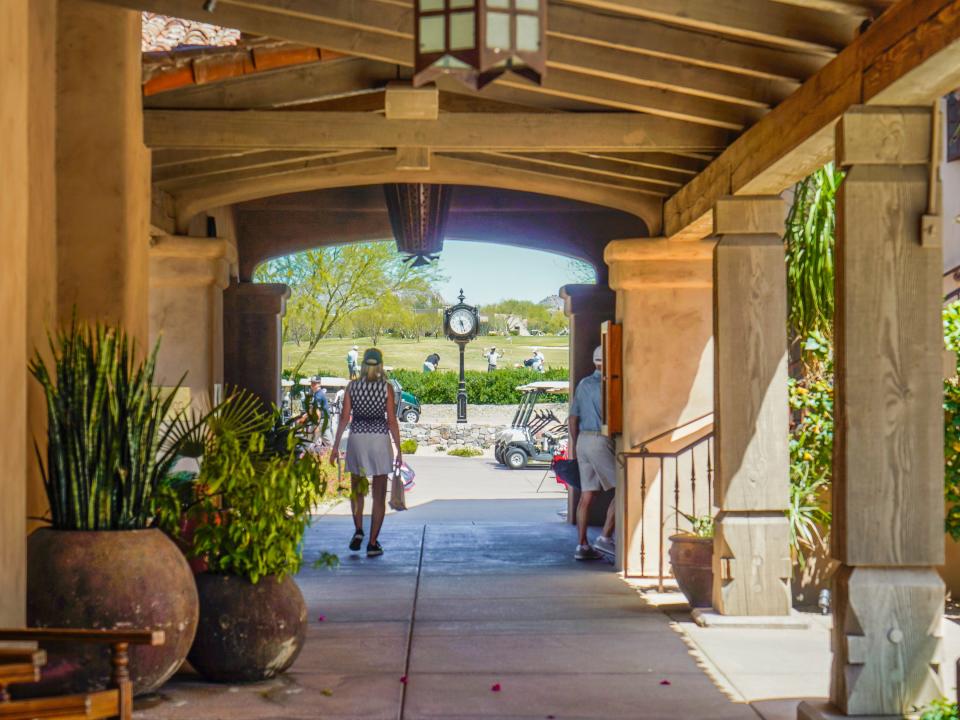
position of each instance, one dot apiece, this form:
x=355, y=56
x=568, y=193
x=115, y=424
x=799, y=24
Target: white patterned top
x=368, y=404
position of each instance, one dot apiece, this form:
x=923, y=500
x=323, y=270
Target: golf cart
x=534, y=435
x=408, y=407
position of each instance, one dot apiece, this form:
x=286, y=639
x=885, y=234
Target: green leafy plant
x=464, y=452
x=108, y=436
x=700, y=525
x=940, y=709
x=409, y=446
x=251, y=506
x=811, y=453
x=810, y=234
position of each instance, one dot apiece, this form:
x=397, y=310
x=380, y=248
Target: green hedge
x=483, y=388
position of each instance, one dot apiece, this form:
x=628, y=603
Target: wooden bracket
x=931, y=231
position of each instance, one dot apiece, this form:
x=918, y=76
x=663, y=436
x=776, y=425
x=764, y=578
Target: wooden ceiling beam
x=639, y=36
x=638, y=98
x=909, y=56
x=518, y=132
x=168, y=176
x=585, y=162
x=859, y=8
x=284, y=87
x=798, y=27
x=446, y=170
x=552, y=170
x=658, y=161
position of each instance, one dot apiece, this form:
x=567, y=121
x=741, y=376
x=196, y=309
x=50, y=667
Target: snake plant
x=107, y=429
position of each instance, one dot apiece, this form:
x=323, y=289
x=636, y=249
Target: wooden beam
x=534, y=132
x=279, y=88
x=555, y=169
x=909, y=56
x=446, y=170
x=204, y=168
x=626, y=96
x=587, y=163
x=658, y=161
x=760, y=20
x=666, y=74
x=265, y=169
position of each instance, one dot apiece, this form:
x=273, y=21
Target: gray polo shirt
x=586, y=403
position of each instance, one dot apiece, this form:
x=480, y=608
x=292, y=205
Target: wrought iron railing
x=688, y=446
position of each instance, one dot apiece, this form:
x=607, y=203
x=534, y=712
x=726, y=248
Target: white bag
x=398, y=499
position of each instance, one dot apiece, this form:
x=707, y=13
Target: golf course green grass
x=330, y=354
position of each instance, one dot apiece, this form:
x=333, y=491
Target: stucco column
x=187, y=279
x=751, y=552
x=103, y=168
x=14, y=216
x=664, y=300
x=888, y=453
x=587, y=307
x=252, y=330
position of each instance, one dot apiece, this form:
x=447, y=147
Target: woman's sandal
x=356, y=541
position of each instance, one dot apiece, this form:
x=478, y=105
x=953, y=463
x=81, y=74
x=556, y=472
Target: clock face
x=462, y=322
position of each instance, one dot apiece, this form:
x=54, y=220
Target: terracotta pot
x=247, y=632
x=692, y=561
x=109, y=580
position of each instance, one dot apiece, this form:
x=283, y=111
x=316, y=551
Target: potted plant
x=99, y=564
x=251, y=504
x=691, y=556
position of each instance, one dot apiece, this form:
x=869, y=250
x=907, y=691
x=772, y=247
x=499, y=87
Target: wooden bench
x=23, y=664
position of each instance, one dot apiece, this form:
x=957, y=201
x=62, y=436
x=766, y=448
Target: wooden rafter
x=531, y=132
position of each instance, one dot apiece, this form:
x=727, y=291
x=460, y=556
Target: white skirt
x=369, y=454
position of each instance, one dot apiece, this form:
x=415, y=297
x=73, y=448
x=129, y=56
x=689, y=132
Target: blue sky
x=488, y=273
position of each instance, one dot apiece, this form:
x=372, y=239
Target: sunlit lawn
x=331, y=353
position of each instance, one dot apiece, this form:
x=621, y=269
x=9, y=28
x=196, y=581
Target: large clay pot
x=692, y=561
x=110, y=580
x=247, y=632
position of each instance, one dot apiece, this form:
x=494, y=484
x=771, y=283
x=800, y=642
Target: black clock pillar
x=462, y=390
x=461, y=323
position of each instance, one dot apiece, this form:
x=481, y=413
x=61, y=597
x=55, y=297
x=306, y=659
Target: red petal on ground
x=664, y=682
x=321, y=618
x=404, y=679
x=496, y=687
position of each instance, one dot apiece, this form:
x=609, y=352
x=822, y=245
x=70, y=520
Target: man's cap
x=598, y=354
x=372, y=356
x=315, y=380
x=356, y=347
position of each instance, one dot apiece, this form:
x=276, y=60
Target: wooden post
x=751, y=556
x=888, y=454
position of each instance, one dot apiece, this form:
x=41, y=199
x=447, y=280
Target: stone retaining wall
x=451, y=434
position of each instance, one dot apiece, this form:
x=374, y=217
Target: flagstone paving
x=483, y=618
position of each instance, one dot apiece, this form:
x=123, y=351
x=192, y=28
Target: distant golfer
x=595, y=458
x=431, y=363
x=492, y=357
x=353, y=356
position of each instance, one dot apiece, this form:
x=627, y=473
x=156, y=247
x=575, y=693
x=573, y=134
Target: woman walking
x=370, y=409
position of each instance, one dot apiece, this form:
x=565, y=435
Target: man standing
x=492, y=357
x=595, y=459
x=320, y=413
x=353, y=356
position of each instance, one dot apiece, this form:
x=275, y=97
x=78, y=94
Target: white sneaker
x=585, y=552
x=605, y=545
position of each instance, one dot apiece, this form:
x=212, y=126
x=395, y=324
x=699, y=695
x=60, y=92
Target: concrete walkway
x=482, y=614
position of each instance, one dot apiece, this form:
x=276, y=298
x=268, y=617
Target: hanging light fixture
x=476, y=41
x=418, y=216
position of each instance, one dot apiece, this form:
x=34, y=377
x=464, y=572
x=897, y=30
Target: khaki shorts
x=595, y=458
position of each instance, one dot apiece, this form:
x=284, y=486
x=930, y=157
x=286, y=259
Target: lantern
x=418, y=216
x=476, y=41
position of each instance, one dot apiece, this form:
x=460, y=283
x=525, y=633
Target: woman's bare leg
x=379, y=506
x=356, y=502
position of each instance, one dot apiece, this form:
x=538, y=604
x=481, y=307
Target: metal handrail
x=642, y=451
